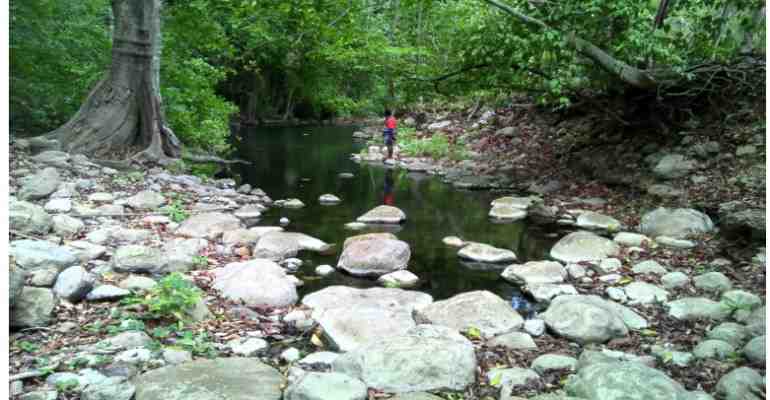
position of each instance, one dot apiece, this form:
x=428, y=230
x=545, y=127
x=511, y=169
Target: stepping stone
x=583, y=246
x=595, y=221
x=544, y=292
x=521, y=203
x=507, y=213
x=374, y=255
x=401, y=278
x=486, y=254
x=329, y=199
x=535, y=272
x=383, y=215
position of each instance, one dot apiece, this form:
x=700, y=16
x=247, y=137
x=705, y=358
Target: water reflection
x=388, y=197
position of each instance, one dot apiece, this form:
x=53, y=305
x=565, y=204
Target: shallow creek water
x=305, y=162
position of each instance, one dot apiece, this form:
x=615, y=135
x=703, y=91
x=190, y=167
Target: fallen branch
x=214, y=159
x=24, y=235
x=32, y=374
x=142, y=214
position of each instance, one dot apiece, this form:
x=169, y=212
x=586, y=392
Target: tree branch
x=661, y=15
x=628, y=74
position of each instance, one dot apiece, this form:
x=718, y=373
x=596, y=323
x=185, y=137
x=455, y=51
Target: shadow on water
x=305, y=162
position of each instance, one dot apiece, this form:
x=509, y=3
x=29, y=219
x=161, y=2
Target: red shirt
x=390, y=122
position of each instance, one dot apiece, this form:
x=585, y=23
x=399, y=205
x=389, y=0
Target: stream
x=305, y=162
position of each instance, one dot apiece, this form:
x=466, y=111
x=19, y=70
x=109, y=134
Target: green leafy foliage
x=58, y=51
x=312, y=59
x=28, y=347
x=172, y=298
x=67, y=386
x=199, y=344
x=473, y=332
x=200, y=261
x=176, y=211
x=436, y=146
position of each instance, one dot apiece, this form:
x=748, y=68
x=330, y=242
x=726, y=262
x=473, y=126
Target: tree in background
x=124, y=109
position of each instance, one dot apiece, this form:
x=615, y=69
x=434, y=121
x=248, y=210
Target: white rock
x=534, y=327
x=290, y=355
x=328, y=199
x=61, y=205
x=453, y=241
x=247, y=348
x=134, y=356
x=402, y=278
x=324, y=270
x=631, y=239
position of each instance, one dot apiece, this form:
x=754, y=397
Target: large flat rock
x=482, y=310
x=33, y=308
x=425, y=358
x=41, y=254
x=676, y=223
x=535, y=272
x=258, y=282
x=208, y=226
x=29, y=218
x=583, y=246
x=589, y=319
x=278, y=245
x=217, y=379
x=353, y=317
x=624, y=381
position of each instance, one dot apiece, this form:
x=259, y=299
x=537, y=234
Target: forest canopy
x=260, y=59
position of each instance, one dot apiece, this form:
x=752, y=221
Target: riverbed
x=306, y=162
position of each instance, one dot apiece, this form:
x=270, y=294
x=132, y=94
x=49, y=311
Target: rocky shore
x=636, y=303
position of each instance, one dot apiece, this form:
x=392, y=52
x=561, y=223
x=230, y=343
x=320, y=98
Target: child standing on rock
x=389, y=133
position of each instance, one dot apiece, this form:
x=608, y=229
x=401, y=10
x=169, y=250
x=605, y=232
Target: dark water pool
x=305, y=162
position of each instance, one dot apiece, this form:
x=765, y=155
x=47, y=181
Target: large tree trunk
x=124, y=109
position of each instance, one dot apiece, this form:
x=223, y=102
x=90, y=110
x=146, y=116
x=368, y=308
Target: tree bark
x=628, y=74
x=124, y=109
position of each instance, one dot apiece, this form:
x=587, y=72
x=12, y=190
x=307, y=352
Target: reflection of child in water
x=388, y=190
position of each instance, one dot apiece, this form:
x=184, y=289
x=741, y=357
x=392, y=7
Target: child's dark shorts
x=389, y=136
